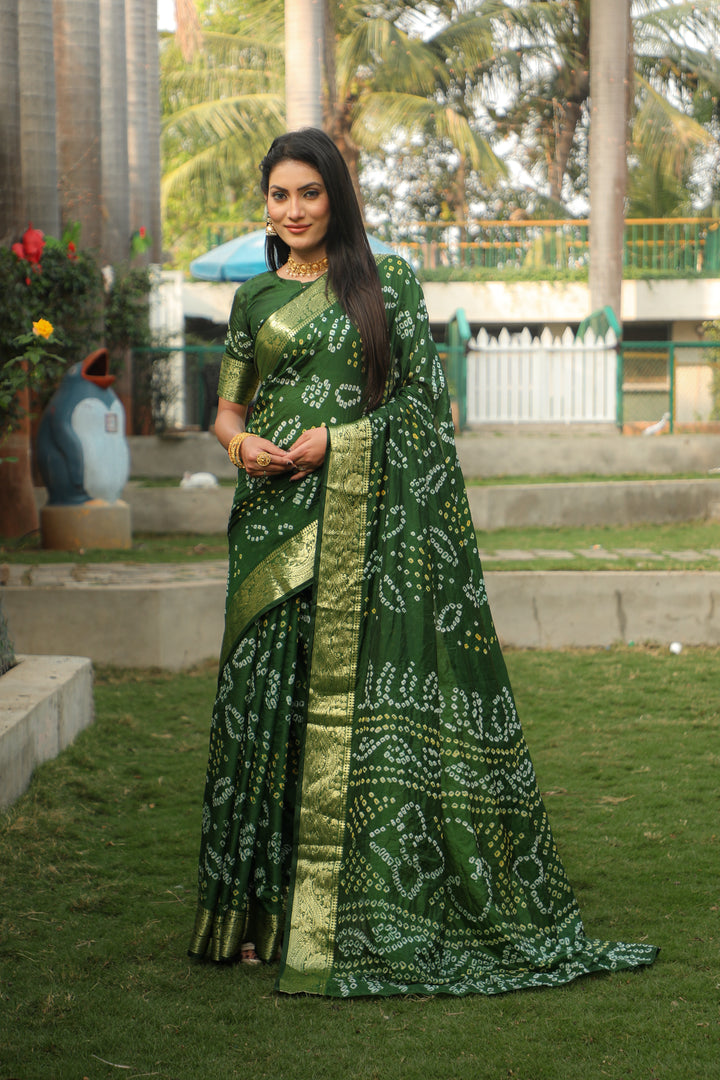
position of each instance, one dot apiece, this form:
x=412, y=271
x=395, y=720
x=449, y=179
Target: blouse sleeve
x=239, y=379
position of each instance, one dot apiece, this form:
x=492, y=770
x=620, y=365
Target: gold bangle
x=234, y=448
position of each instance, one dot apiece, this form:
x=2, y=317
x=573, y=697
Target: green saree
x=368, y=785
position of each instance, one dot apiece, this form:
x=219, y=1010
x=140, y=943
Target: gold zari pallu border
x=331, y=707
x=288, y=569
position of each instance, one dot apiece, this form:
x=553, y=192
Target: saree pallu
x=422, y=860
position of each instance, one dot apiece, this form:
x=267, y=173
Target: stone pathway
x=640, y=555
x=119, y=574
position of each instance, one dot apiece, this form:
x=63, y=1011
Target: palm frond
x=377, y=48
x=666, y=135
x=385, y=116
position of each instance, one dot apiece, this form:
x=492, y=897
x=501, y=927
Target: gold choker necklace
x=295, y=269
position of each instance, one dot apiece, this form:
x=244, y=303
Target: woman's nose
x=296, y=207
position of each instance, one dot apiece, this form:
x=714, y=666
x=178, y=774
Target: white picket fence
x=515, y=379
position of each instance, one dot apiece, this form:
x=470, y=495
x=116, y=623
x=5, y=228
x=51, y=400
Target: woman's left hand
x=308, y=452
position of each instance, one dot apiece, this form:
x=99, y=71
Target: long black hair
x=352, y=271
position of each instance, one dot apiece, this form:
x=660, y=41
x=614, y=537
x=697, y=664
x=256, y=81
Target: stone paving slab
x=684, y=556
x=129, y=575
x=597, y=552
x=134, y=575
x=639, y=553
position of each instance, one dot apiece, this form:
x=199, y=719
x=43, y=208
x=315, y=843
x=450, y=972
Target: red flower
x=72, y=251
x=31, y=247
x=141, y=231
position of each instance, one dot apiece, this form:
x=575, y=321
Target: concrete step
x=505, y=450
x=503, y=506
x=570, y=505
x=151, y=616
x=45, y=701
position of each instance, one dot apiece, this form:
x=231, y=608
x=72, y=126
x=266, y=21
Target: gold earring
x=270, y=228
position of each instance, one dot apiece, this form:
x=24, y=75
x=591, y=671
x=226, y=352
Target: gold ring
x=263, y=458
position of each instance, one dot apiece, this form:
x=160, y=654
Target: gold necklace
x=296, y=270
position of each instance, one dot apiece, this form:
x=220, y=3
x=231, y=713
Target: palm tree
x=153, y=108
x=543, y=62
x=396, y=77
x=77, y=35
x=114, y=115
x=222, y=102
x=382, y=80
x=37, y=113
x=11, y=202
x=138, y=117
x=304, y=56
x=609, y=39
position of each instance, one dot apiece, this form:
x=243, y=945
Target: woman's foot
x=248, y=954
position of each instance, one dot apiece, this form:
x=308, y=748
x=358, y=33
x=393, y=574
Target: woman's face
x=299, y=207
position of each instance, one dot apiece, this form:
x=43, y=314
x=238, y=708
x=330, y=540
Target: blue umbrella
x=244, y=257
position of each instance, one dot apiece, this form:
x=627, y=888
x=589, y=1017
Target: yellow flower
x=42, y=328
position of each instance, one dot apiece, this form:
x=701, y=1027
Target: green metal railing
x=453, y=354
x=647, y=380
x=154, y=391
x=651, y=245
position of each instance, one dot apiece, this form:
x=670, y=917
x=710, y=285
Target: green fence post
x=671, y=402
x=458, y=335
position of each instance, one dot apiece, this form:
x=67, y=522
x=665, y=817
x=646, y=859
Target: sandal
x=248, y=954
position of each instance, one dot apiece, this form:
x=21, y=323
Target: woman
x=371, y=809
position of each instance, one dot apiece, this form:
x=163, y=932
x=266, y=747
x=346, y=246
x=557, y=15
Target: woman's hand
x=273, y=460
x=308, y=452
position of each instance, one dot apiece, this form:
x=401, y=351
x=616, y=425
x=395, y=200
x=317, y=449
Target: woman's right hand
x=273, y=460
x=230, y=421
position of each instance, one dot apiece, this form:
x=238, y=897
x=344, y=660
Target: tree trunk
x=37, y=112
x=153, y=107
x=114, y=114
x=304, y=54
x=18, y=512
x=138, y=120
x=609, y=45
x=77, y=69
x=337, y=115
x=11, y=201
x=563, y=145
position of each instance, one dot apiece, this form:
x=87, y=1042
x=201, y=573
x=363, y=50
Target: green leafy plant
x=44, y=282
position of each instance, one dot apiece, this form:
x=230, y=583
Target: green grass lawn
x=97, y=867
x=700, y=536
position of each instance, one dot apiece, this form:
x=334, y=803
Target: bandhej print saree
x=371, y=808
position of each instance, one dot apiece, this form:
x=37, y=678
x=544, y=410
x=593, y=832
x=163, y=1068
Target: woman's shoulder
x=255, y=285
x=395, y=271
x=397, y=277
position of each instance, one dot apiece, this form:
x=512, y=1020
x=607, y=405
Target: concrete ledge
x=502, y=450
x=562, y=609
x=206, y=510
x=512, y=450
x=614, y=503
x=178, y=624
x=176, y=509
x=172, y=625
x=170, y=456
x=44, y=702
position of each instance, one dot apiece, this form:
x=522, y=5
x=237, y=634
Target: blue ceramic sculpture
x=81, y=446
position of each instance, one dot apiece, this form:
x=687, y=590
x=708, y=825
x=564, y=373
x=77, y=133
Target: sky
x=166, y=14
